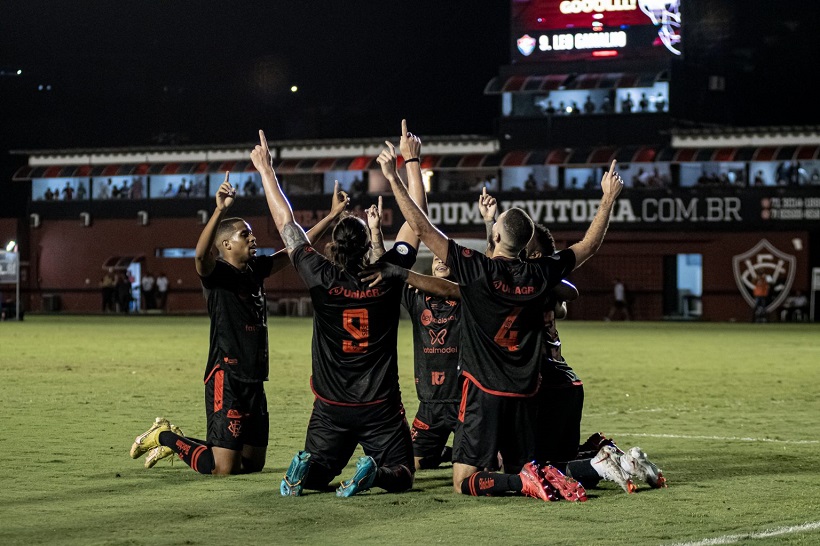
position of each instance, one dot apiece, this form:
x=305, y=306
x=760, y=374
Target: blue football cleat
x=291, y=485
x=362, y=480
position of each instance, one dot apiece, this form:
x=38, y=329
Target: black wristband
x=412, y=159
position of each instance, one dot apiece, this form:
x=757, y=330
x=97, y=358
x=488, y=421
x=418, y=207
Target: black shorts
x=558, y=423
x=489, y=424
x=381, y=429
x=237, y=412
x=432, y=427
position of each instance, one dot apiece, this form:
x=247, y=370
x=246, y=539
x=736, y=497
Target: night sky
x=206, y=72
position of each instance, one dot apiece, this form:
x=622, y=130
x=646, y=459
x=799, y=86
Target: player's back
x=355, y=331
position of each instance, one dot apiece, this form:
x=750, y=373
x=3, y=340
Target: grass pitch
x=729, y=411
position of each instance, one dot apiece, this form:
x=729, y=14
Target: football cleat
x=567, y=487
x=149, y=439
x=161, y=452
x=638, y=466
x=362, y=480
x=157, y=454
x=291, y=485
x=534, y=485
x=607, y=464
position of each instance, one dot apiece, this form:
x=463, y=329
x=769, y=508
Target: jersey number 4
x=505, y=336
x=356, y=323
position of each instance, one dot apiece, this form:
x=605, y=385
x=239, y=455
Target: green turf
x=729, y=411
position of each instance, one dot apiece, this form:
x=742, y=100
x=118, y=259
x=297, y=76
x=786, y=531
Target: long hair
x=350, y=245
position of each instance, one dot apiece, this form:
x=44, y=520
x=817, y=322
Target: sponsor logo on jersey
x=426, y=318
x=438, y=337
x=504, y=288
x=765, y=259
x=466, y=252
x=355, y=294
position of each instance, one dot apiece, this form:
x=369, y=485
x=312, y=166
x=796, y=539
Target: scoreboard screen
x=574, y=30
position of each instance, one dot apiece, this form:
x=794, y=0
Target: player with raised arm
x=237, y=367
x=503, y=298
x=354, y=356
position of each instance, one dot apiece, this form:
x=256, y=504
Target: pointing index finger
x=390, y=147
x=380, y=205
x=262, y=140
x=612, y=167
x=404, y=127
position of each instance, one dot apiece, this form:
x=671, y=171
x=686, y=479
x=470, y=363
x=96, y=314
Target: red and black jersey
x=355, y=328
x=436, y=331
x=503, y=316
x=555, y=372
x=239, y=324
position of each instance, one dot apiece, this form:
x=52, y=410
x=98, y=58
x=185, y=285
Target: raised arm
x=410, y=148
x=611, y=184
x=339, y=202
x=435, y=240
x=436, y=286
x=292, y=233
x=374, y=223
x=488, y=207
x=204, y=255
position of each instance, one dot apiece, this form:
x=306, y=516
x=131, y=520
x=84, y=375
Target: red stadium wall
x=67, y=259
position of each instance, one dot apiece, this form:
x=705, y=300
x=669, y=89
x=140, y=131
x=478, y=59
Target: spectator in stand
x=606, y=106
x=660, y=103
x=136, y=188
x=105, y=190
x=68, y=192
x=169, y=191
x=162, y=292
x=81, y=191
x=49, y=195
x=249, y=189
x=589, y=106
x=627, y=105
x=531, y=184
x=643, y=103
x=550, y=109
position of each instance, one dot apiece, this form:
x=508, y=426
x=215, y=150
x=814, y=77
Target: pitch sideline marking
x=732, y=539
x=736, y=438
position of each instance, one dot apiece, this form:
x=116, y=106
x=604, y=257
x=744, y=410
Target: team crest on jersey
x=402, y=248
x=466, y=252
x=336, y=291
x=310, y=249
x=764, y=259
x=235, y=428
x=426, y=317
